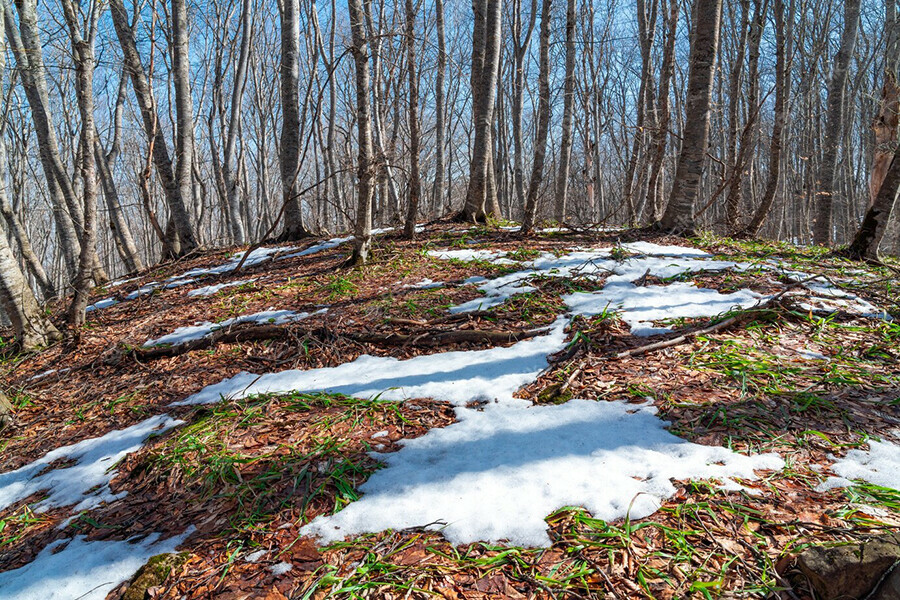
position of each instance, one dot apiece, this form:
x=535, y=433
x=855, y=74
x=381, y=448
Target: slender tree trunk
x=184, y=119
x=83, y=52
x=782, y=92
x=232, y=189
x=118, y=224
x=289, y=157
x=540, y=144
x=663, y=117
x=834, y=126
x=439, y=118
x=679, y=214
x=520, y=53
x=187, y=241
x=565, y=149
x=26, y=47
x=743, y=159
x=415, y=185
x=485, y=72
x=365, y=162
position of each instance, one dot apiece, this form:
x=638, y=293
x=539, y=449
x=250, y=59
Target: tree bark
x=782, y=93
x=184, y=119
x=543, y=128
x=365, y=164
x=565, y=149
x=415, y=185
x=83, y=53
x=31, y=326
x=289, y=156
x=834, y=126
x=187, y=241
x=485, y=72
x=679, y=214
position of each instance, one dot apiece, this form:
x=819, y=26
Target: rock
x=7, y=416
x=850, y=572
x=152, y=574
x=890, y=588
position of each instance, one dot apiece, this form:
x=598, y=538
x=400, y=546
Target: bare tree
x=365, y=173
x=565, y=150
x=415, y=185
x=82, y=32
x=679, y=214
x=834, y=125
x=186, y=240
x=487, y=47
x=184, y=117
x=540, y=145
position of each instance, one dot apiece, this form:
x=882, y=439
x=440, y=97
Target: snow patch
x=211, y=290
x=639, y=306
x=879, y=465
x=457, y=377
x=82, y=570
x=85, y=483
x=201, y=330
x=613, y=458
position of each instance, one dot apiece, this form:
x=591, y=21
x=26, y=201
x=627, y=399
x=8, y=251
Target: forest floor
x=472, y=415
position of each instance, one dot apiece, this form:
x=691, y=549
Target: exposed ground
x=808, y=382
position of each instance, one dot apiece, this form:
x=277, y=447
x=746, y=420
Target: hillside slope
x=473, y=415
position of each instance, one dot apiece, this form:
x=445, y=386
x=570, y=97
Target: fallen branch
x=255, y=333
x=732, y=320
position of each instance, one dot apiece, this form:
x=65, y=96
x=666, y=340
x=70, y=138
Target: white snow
x=497, y=474
x=211, y=290
x=425, y=284
x=100, y=304
x=495, y=256
x=879, y=465
x=257, y=256
x=201, y=330
x=639, y=306
x=662, y=261
x=81, y=569
x=279, y=569
x=85, y=483
x=321, y=246
x=255, y=556
x=458, y=377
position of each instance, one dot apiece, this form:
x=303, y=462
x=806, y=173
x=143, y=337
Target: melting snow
x=612, y=458
x=639, y=306
x=201, y=330
x=879, y=465
x=82, y=570
x=321, y=246
x=211, y=290
x=86, y=482
x=458, y=377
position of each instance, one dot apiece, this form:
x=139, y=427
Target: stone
x=153, y=573
x=852, y=571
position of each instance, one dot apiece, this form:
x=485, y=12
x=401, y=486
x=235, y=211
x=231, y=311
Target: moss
x=153, y=573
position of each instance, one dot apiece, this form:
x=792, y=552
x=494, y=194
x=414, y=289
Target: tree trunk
x=365, y=163
x=161, y=160
x=27, y=50
x=229, y=172
x=32, y=327
x=415, y=186
x=184, y=119
x=679, y=214
x=485, y=72
x=565, y=149
x=782, y=92
x=834, y=126
x=289, y=157
x=440, y=127
x=543, y=128
x=83, y=53
x=663, y=118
